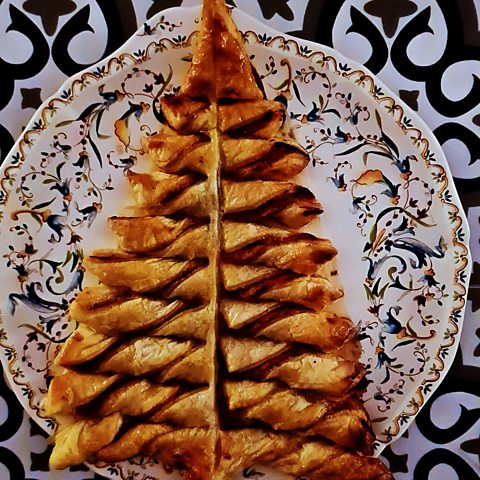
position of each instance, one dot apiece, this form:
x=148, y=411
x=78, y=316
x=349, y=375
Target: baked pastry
x=212, y=340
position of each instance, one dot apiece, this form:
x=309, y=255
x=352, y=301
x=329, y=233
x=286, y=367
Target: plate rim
x=418, y=125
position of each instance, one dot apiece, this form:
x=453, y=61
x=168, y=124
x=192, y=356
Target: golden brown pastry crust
x=212, y=340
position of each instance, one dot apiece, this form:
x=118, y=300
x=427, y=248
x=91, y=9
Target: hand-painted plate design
x=390, y=207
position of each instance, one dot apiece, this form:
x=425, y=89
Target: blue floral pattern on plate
x=390, y=207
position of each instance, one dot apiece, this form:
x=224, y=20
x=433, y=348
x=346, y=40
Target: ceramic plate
x=390, y=208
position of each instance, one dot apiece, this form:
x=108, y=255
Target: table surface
x=427, y=51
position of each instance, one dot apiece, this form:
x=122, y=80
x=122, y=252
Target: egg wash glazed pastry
x=210, y=341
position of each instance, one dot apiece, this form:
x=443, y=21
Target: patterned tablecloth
x=427, y=51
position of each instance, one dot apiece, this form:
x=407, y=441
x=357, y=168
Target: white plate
x=390, y=205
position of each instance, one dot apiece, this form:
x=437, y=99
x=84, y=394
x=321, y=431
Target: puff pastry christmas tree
x=208, y=342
